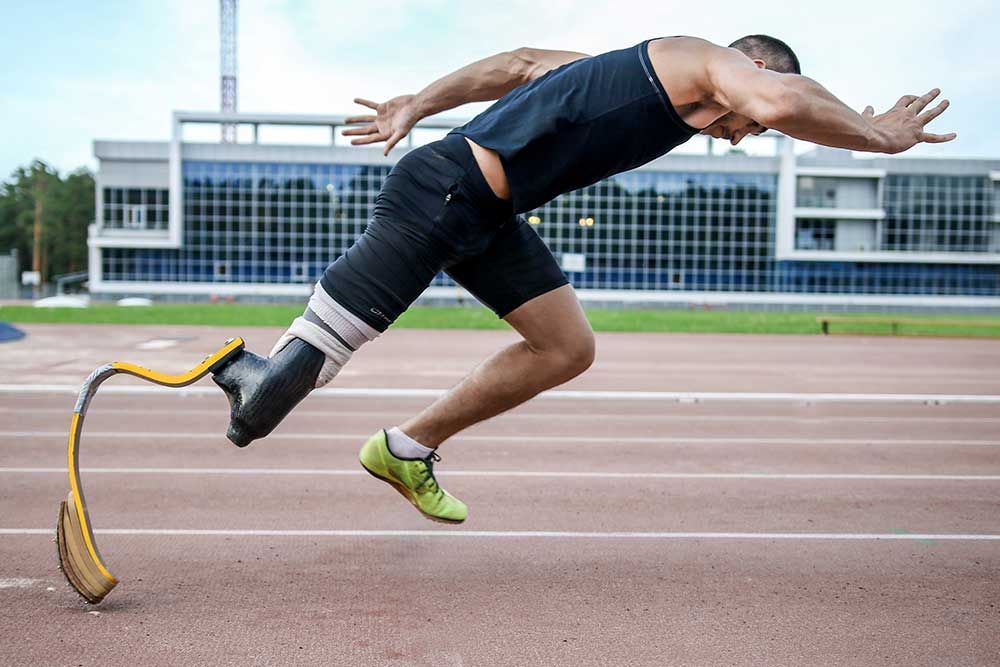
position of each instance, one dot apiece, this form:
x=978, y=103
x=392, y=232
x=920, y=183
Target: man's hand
x=392, y=121
x=902, y=127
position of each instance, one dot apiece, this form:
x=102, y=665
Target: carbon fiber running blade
x=81, y=570
x=79, y=558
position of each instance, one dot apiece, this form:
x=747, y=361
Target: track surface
x=614, y=532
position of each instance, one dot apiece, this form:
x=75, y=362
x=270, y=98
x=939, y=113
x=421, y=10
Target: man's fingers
x=370, y=139
x=392, y=141
x=360, y=131
x=918, y=104
x=353, y=120
x=929, y=138
x=366, y=103
x=931, y=114
x=869, y=111
x=905, y=101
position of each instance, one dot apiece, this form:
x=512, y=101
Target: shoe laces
x=428, y=478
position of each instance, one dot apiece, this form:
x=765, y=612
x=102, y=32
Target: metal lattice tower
x=227, y=62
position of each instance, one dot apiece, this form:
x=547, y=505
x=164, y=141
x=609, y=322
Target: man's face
x=733, y=128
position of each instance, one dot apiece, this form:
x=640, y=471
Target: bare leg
x=558, y=345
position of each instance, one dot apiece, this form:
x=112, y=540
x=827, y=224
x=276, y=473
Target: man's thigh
x=516, y=268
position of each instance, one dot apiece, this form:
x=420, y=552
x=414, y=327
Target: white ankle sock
x=404, y=447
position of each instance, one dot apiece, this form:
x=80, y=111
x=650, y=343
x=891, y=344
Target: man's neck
x=700, y=114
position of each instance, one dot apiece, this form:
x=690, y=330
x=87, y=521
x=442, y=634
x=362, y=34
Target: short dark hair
x=778, y=55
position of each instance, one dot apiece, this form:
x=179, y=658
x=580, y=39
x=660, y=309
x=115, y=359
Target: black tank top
x=579, y=123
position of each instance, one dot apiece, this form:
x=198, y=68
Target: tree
x=67, y=208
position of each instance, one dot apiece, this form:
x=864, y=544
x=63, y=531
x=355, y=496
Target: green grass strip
x=432, y=317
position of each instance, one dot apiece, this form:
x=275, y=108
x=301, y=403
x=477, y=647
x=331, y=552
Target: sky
x=78, y=71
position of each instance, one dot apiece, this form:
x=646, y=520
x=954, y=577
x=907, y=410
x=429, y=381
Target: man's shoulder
x=682, y=44
x=682, y=64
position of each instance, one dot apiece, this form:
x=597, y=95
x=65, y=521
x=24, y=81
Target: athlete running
x=563, y=121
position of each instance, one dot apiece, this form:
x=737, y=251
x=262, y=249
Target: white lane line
x=523, y=534
x=339, y=472
x=19, y=582
x=594, y=395
x=533, y=439
x=546, y=416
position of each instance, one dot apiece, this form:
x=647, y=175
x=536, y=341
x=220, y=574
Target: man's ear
x=760, y=63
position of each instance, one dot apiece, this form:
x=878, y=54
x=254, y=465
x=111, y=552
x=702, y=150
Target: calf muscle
x=558, y=345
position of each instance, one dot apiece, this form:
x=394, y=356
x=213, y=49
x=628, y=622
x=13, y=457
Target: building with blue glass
x=819, y=229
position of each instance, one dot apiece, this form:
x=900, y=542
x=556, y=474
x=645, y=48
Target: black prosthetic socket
x=263, y=391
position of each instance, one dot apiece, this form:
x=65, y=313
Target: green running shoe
x=414, y=478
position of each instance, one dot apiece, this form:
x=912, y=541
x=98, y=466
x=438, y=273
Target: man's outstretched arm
x=482, y=81
x=802, y=108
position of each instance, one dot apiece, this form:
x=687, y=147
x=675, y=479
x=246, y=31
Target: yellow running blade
x=79, y=558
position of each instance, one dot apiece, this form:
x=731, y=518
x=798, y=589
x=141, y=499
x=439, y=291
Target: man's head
x=767, y=53
x=771, y=51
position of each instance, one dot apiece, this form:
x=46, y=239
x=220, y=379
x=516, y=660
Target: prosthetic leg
x=263, y=391
x=79, y=558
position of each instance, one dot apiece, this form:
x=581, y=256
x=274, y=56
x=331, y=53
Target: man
x=563, y=121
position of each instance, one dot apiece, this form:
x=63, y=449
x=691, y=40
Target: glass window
x=829, y=192
x=135, y=217
x=815, y=234
x=652, y=230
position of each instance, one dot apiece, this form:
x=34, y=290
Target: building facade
x=820, y=229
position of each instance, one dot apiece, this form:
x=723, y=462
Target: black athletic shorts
x=436, y=212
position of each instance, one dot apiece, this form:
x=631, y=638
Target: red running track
x=602, y=532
